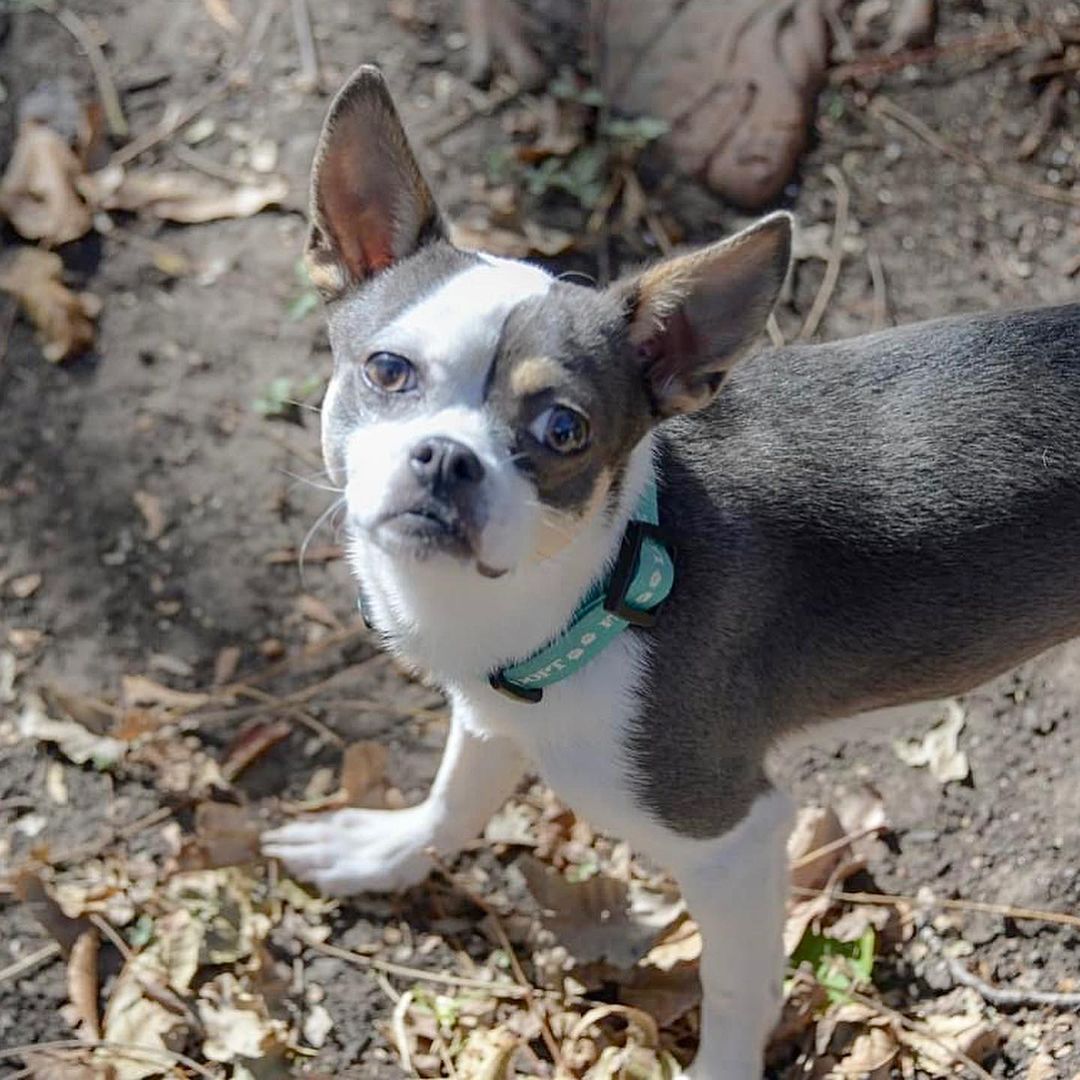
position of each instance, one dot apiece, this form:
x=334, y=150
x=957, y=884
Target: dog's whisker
x=311, y=481
x=323, y=518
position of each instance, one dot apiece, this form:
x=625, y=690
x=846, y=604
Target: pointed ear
x=692, y=316
x=370, y=205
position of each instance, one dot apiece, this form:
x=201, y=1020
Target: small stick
x=305, y=718
x=880, y=318
x=305, y=42
x=210, y=167
x=106, y=88
x=1060, y=918
x=836, y=254
x=1003, y=997
x=883, y=107
x=776, y=335
x=833, y=845
x=401, y=1036
x=30, y=961
x=106, y=928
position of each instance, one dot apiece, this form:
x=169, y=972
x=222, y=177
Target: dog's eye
x=390, y=373
x=561, y=429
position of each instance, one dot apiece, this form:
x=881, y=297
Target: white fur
x=447, y=619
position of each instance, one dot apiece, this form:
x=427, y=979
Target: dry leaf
x=487, y=1055
x=1041, y=1067
x=940, y=1036
x=60, y=1065
x=9, y=671
x=681, y=945
x=186, y=197
x=869, y=1055
x=317, y=1025
x=363, y=767
x=228, y=660
x=22, y=588
x=25, y=640
x=251, y=743
x=56, y=784
x=221, y=13
x=815, y=828
x=138, y=690
x=226, y=835
x=939, y=748
x=314, y=609
x=45, y=908
x=82, y=984
x=236, y=1022
x=73, y=740
x=150, y=507
x=64, y=319
x=38, y=191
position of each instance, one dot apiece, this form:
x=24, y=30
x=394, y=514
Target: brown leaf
x=64, y=319
x=82, y=984
x=314, y=609
x=252, y=742
x=65, y=931
x=150, y=507
x=870, y=1054
x=186, y=197
x=681, y=945
x=139, y=690
x=363, y=767
x=74, y=741
x=38, y=191
x=815, y=829
x=66, y=1065
x=221, y=13
x=228, y=660
x=225, y=835
x=22, y=588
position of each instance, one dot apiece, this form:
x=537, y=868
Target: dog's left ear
x=370, y=205
x=692, y=316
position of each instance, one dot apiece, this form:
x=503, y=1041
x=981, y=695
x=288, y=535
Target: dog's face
x=481, y=411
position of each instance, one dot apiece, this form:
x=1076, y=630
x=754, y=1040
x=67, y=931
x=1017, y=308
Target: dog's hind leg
x=735, y=887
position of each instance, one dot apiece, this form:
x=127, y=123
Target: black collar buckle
x=626, y=566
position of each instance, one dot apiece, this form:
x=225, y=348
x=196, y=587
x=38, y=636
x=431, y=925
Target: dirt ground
x=164, y=407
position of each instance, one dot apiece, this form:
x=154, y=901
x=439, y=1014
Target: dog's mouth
x=424, y=529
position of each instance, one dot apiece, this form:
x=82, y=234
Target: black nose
x=445, y=464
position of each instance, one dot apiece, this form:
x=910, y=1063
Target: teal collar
x=640, y=581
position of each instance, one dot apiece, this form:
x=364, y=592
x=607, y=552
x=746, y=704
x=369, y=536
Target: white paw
x=357, y=850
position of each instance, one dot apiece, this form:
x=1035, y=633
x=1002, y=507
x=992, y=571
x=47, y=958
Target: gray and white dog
x=856, y=525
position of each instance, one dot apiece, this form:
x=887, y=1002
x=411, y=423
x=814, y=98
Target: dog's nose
x=445, y=463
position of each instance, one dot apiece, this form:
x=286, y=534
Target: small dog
x=532, y=468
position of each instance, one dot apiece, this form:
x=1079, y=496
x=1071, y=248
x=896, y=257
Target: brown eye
x=389, y=373
x=561, y=429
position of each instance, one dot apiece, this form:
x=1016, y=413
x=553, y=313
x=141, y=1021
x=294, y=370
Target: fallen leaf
x=55, y=784
x=153, y=516
x=61, y=1065
x=940, y=1036
x=38, y=191
x=487, y=1054
x=73, y=740
x=681, y=945
x=64, y=319
x=815, y=828
x=8, y=673
x=22, y=588
x=221, y=13
x=45, y=908
x=317, y=1025
x=939, y=748
x=82, y=984
x=251, y=743
x=226, y=835
x=186, y=197
x=317, y=611
x=363, y=767
x=870, y=1054
x=25, y=640
x=226, y=663
x=1041, y=1067
x=236, y=1022
x=138, y=690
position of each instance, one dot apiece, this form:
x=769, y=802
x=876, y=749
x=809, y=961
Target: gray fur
x=883, y=520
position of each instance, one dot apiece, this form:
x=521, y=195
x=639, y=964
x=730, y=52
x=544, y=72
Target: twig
x=883, y=107
x=401, y=1036
x=171, y=123
x=364, y=705
x=105, y=927
x=836, y=254
x=776, y=335
x=305, y=43
x=30, y=961
x=1003, y=997
x=1007, y=911
x=346, y=636
x=504, y=943
x=880, y=317
x=106, y=88
x=305, y=718
x=492, y=104
x=210, y=167
x=920, y=1029
x=833, y=845
x=502, y=990
x=144, y=1053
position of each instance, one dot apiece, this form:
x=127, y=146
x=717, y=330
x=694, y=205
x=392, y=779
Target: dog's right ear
x=370, y=205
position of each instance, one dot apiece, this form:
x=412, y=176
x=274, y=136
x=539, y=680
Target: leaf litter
x=586, y=967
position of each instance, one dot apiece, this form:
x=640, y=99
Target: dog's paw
x=357, y=850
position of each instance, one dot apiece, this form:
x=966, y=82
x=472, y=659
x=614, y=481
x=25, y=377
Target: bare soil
x=164, y=406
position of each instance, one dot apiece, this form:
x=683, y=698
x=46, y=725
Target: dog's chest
x=576, y=738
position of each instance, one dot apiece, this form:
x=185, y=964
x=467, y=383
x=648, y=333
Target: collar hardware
x=626, y=568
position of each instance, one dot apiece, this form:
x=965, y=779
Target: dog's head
x=481, y=410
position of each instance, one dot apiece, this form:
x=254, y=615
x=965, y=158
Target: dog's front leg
x=386, y=850
x=736, y=887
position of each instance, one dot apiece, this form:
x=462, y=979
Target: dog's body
x=846, y=518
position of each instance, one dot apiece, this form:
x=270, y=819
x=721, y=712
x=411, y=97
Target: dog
x=634, y=565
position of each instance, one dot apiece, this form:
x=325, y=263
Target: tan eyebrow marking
x=533, y=374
